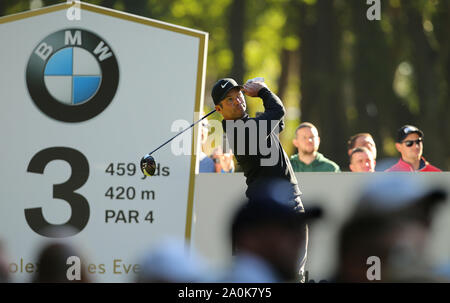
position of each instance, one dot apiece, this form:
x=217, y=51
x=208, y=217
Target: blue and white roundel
x=72, y=75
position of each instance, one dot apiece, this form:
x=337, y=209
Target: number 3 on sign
x=65, y=191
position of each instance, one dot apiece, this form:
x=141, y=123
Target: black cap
x=405, y=130
x=256, y=213
x=221, y=89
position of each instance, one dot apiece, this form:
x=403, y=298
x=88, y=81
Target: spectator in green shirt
x=308, y=159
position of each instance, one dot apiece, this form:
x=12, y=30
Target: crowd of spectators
x=361, y=150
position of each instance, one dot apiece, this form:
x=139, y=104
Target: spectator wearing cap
x=410, y=146
x=308, y=159
x=361, y=160
x=267, y=240
x=362, y=140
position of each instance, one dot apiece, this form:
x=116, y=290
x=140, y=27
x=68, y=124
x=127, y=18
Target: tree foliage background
x=329, y=64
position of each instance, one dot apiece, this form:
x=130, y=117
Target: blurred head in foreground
x=4, y=273
x=53, y=265
x=172, y=262
x=268, y=237
x=391, y=221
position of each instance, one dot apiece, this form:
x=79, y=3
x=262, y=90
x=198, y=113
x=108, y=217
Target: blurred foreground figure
x=268, y=239
x=53, y=265
x=172, y=262
x=4, y=273
x=391, y=224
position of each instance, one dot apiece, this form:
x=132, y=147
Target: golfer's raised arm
x=273, y=107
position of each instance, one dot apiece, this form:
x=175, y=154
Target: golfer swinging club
x=260, y=136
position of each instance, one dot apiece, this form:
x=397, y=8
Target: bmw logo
x=72, y=75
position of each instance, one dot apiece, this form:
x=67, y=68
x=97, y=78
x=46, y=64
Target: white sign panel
x=84, y=95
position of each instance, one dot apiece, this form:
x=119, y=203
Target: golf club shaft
x=182, y=132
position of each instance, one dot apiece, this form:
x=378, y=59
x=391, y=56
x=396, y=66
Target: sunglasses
x=410, y=143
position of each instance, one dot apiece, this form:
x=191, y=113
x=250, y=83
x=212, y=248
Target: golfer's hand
x=252, y=89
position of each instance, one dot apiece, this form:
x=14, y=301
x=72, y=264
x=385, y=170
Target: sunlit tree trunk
x=236, y=25
x=380, y=111
x=425, y=61
x=285, y=60
x=441, y=24
x=321, y=101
